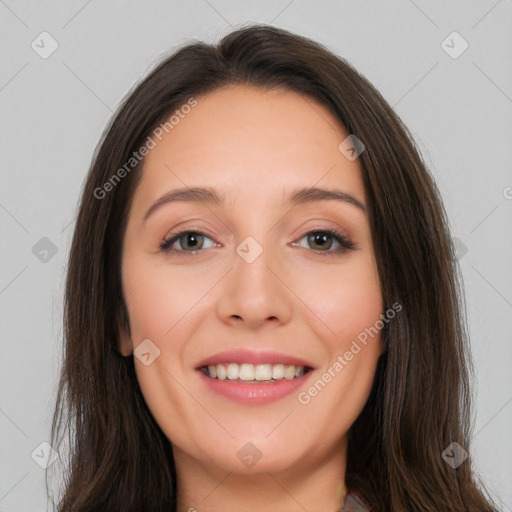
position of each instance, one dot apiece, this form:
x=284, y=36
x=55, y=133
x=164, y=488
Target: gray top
x=353, y=503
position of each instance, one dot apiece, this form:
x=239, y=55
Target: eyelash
x=338, y=236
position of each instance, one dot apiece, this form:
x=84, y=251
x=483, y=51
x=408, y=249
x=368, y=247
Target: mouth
x=249, y=373
x=253, y=376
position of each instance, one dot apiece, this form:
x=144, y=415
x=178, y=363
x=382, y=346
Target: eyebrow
x=210, y=195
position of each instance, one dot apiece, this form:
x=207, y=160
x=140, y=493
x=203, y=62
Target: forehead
x=253, y=144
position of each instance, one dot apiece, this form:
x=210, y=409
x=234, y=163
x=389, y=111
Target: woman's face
x=264, y=287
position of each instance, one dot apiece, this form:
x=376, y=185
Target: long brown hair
x=119, y=459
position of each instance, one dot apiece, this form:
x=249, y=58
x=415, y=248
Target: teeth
x=263, y=371
x=232, y=371
x=278, y=371
x=245, y=372
x=289, y=372
x=255, y=373
x=221, y=372
x=299, y=371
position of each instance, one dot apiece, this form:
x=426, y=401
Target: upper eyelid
x=331, y=226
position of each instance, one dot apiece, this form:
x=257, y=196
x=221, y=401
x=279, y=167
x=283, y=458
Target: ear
x=124, y=339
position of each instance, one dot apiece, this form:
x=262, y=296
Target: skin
x=256, y=147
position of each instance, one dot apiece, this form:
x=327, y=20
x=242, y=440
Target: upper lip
x=241, y=356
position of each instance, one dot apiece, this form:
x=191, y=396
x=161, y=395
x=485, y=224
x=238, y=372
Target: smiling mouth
x=254, y=373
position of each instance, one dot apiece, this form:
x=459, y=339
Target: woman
x=262, y=305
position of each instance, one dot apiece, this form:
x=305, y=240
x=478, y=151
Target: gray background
x=53, y=112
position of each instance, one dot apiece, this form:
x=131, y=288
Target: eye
x=189, y=241
x=322, y=242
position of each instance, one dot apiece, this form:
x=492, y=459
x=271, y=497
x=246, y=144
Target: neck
x=206, y=488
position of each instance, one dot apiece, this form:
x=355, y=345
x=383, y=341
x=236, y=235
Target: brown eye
x=321, y=241
x=188, y=241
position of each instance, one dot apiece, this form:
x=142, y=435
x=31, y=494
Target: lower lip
x=251, y=393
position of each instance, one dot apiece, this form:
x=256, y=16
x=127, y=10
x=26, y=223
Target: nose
x=255, y=293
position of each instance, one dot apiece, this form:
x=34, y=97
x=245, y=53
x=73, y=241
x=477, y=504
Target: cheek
x=342, y=300
x=162, y=301
x=348, y=303
x=163, y=307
